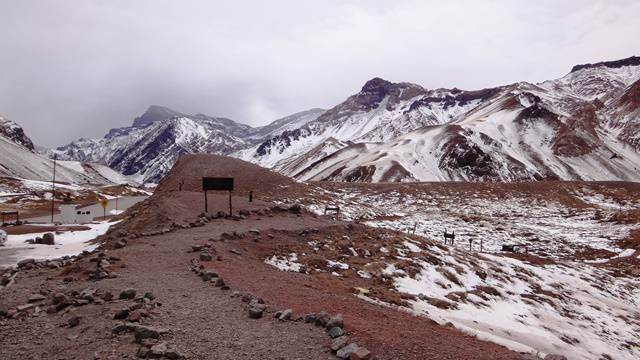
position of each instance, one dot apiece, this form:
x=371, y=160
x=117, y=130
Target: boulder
x=335, y=332
x=25, y=307
x=322, y=319
x=310, y=318
x=48, y=239
x=137, y=315
x=335, y=321
x=208, y=275
x=73, y=321
x=361, y=353
x=205, y=256
x=295, y=209
x=339, y=343
x=121, y=314
x=158, y=350
x=147, y=332
x=36, y=298
x=173, y=354
x=26, y=263
x=346, y=351
x=196, y=248
x=257, y=302
x=255, y=313
x=88, y=294
x=285, y=315
x=107, y=296
x=128, y=294
x=143, y=352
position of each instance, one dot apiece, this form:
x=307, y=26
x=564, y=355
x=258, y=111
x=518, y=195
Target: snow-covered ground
x=67, y=243
x=546, y=227
x=572, y=309
x=580, y=308
x=289, y=263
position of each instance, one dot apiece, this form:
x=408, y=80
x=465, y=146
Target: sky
x=77, y=68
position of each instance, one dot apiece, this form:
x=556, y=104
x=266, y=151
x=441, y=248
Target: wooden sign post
x=217, y=184
x=104, y=202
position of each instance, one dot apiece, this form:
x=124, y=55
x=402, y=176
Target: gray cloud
x=73, y=69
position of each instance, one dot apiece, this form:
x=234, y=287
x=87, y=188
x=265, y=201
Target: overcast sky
x=72, y=69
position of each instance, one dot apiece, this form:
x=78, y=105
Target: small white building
x=70, y=214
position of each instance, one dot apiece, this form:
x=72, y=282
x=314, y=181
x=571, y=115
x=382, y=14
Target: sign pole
x=230, y=206
x=104, y=202
x=206, y=205
x=53, y=186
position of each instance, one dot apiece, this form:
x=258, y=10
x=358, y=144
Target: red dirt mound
x=169, y=207
x=190, y=169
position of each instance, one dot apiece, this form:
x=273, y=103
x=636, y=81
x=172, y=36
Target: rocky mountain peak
x=155, y=113
x=377, y=85
x=630, y=61
x=15, y=133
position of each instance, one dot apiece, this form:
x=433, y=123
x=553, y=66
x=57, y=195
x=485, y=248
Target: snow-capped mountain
x=584, y=125
x=381, y=111
x=147, y=149
x=18, y=159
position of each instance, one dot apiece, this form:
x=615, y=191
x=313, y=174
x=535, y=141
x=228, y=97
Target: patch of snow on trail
x=67, y=243
x=289, y=263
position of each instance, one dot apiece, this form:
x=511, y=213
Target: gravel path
x=206, y=322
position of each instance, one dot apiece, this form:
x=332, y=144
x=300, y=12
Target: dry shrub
x=442, y=304
x=449, y=276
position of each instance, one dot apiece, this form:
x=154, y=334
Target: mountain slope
x=381, y=111
x=19, y=160
x=582, y=126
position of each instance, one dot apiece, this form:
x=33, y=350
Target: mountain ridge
x=555, y=129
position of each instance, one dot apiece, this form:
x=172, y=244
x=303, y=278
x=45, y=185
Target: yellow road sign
x=104, y=202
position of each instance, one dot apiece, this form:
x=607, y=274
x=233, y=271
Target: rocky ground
x=274, y=281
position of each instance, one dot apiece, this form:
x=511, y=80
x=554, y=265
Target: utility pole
x=53, y=186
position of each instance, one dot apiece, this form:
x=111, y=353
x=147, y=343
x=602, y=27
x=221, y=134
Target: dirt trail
x=209, y=323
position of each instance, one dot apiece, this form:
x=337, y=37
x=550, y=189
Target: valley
x=382, y=264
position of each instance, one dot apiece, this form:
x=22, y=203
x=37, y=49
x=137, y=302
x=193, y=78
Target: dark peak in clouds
x=630, y=61
x=155, y=113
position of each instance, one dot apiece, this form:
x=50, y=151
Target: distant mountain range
x=147, y=150
x=583, y=126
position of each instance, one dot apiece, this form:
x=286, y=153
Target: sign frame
x=217, y=184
